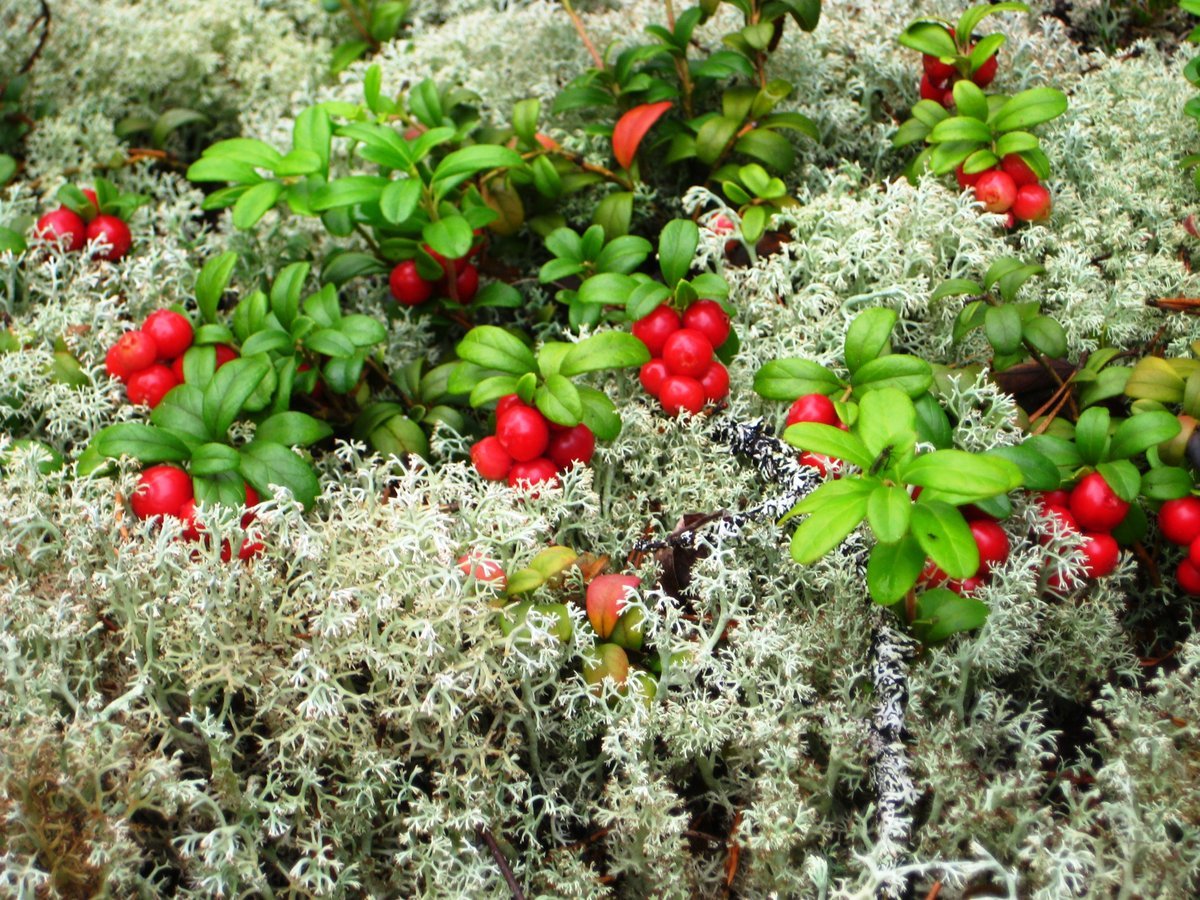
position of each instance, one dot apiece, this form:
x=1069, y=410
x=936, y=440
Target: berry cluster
x=528, y=448
x=149, y=360
x=1091, y=509
x=459, y=280
x=937, y=82
x=73, y=229
x=992, y=543
x=683, y=373
x=166, y=490
x=1011, y=188
x=1179, y=521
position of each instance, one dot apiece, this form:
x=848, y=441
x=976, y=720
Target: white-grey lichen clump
x=342, y=716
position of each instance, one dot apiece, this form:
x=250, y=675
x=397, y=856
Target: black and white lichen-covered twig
x=891, y=650
x=775, y=461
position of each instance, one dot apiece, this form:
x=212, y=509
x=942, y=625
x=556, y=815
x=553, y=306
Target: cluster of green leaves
x=954, y=43
x=495, y=362
x=984, y=129
x=375, y=22
x=157, y=128
x=110, y=201
x=757, y=195
x=1192, y=72
x=1015, y=330
x=714, y=118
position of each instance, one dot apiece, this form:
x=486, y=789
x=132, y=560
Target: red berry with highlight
x=113, y=232
x=409, y=288
x=113, y=365
x=1018, y=170
x=490, y=459
x=996, y=191
x=1032, y=204
x=533, y=472
x=654, y=329
x=1180, y=520
x=62, y=223
x=715, y=382
x=485, y=570
x=523, y=433
x=688, y=352
x=150, y=385
x=171, y=331
x=507, y=402
x=1100, y=553
x=681, y=392
x=1095, y=505
x=575, y=445
x=992, y=542
x=161, y=491
x=707, y=317
x=813, y=408
x=134, y=351
x=652, y=376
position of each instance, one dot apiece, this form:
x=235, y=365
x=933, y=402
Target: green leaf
x=1123, y=477
x=182, y=412
x=887, y=420
x=787, y=379
x=614, y=213
x=493, y=388
x=599, y=414
x=293, y=429
x=961, y=129
x=942, y=613
x=264, y=463
x=230, y=388
x=889, y=510
x=146, y=443
x=468, y=161
x=313, y=132
x=452, y=236
x=769, y=147
x=607, y=350
x=676, y=249
x=1091, y=434
x=1047, y=336
x=893, y=569
x=1038, y=471
x=963, y=474
x=1142, y=431
x=330, y=342
x=1166, y=483
x=1031, y=107
x=714, y=136
x=836, y=508
x=945, y=537
x=929, y=38
x=342, y=267
x=1002, y=325
x=253, y=204
x=607, y=289
x=213, y=459
x=399, y=200
x=953, y=287
x=211, y=283
x=906, y=373
x=495, y=348
x=11, y=241
x=869, y=336
x=829, y=441
x=354, y=190
x=298, y=162
x=559, y=401
x=933, y=425
x=970, y=101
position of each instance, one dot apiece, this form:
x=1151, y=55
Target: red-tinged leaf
x=632, y=127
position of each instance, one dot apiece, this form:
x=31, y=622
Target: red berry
x=1032, y=204
x=715, y=382
x=113, y=365
x=681, y=392
x=992, y=543
x=62, y=223
x=965, y=179
x=94, y=201
x=948, y=98
x=984, y=74
x=1194, y=553
x=654, y=329
x=931, y=90
x=133, y=352
x=575, y=445
x=192, y=530
x=707, y=317
x=721, y=224
x=150, y=385
x=111, y=231
x=490, y=459
x=932, y=575
x=523, y=433
x=485, y=570
x=688, y=352
x=652, y=375
x=161, y=491
x=1018, y=170
x=938, y=70
x=507, y=402
x=1062, y=516
x=1054, y=498
x=996, y=191
x=535, y=471
x=606, y=599
x=1180, y=520
x=823, y=464
x=467, y=283
x=177, y=369
x=1095, y=506
x=225, y=354
x=813, y=408
x=172, y=332
x=1188, y=577
x=251, y=502
x=965, y=587
x=407, y=287
x=1100, y=553
x=250, y=548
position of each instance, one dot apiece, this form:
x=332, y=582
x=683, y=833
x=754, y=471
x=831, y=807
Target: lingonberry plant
x=91, y=215
x=375, y=22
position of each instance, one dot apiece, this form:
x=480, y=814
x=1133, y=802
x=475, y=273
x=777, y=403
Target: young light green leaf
x=607, y=350
x=837, y=510
x=869, y=336
x=893, y=569
x=495, y=348
x=829, y=441
x=889, y=510
x=677, y=248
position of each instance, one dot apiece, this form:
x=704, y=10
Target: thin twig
x=44, y=18
x=485, y=835
x=583, y=35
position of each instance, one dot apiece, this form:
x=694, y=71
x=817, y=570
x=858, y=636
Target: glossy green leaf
x=945, y=537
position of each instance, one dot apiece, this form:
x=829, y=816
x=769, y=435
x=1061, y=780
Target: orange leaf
x=632, y=127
